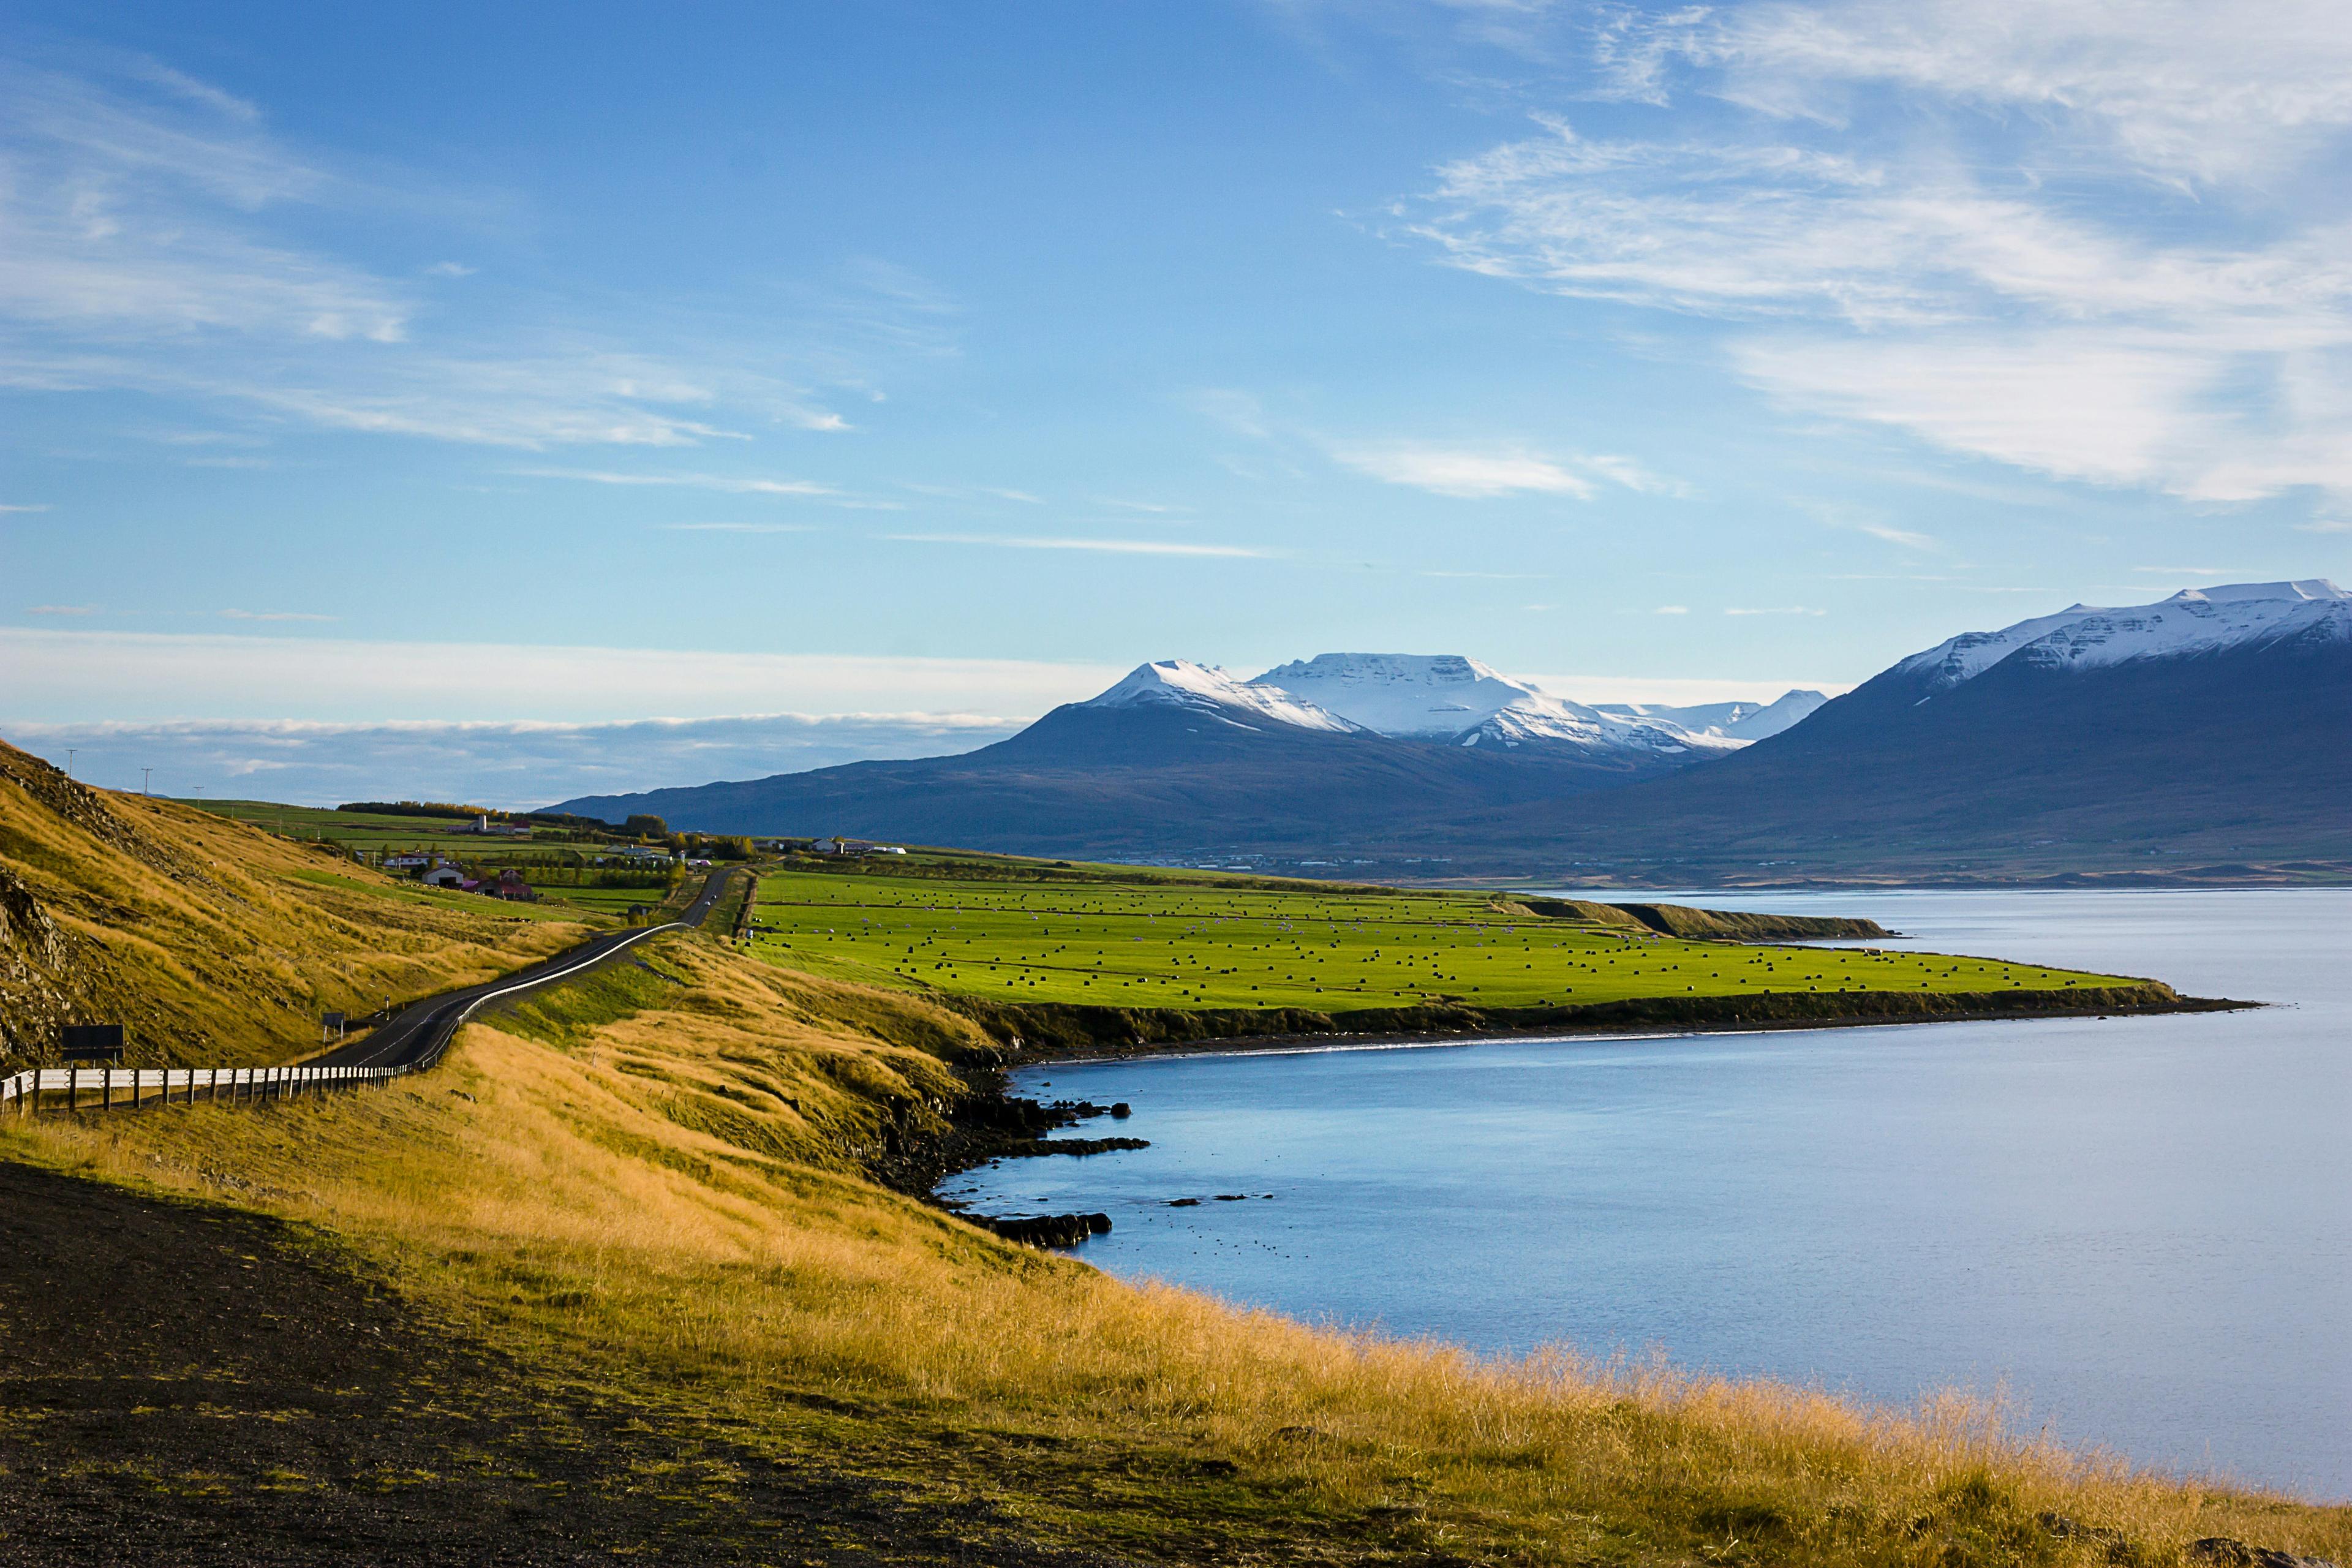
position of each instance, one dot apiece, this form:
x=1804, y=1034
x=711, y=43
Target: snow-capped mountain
x=2193, y=621
x=2212, y=728
x=1445, y=697
x=1194, y=688
x=1731, y=721
x=1432, y=697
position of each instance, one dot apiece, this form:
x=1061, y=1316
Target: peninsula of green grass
x=1111, y=941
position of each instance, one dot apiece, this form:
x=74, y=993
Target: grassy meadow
x=1171, y=941
x=213, y=943
x=655, y=1181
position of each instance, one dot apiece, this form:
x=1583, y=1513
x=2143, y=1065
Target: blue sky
x=895, y=371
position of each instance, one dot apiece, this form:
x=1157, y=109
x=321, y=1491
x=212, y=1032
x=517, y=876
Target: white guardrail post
x=247, y=1085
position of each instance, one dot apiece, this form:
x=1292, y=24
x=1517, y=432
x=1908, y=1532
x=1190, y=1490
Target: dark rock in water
x=1121, y=1112
x=1075, y=1146
x=1232, y=1197
x=1183, y=1203
x=2224, y=1553
x=1048, y=1230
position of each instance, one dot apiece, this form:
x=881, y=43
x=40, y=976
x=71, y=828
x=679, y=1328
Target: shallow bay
x=2141, y=1227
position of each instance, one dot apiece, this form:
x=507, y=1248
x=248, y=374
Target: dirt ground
x=187, y=1384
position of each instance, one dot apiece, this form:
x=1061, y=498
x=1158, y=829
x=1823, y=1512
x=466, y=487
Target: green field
x=386, y=834
x=1170, y=944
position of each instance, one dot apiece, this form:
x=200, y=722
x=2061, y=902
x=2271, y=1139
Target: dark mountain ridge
x=2212, y=729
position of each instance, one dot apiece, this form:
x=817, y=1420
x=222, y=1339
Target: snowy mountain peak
x=1729, y=721
x=1424, y=695
x=2316, y=588
x=2193, y=621
x=1448, y=697
x=1181, y=683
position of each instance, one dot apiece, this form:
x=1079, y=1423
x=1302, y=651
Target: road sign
x=332, y=1024
x=90, y=1042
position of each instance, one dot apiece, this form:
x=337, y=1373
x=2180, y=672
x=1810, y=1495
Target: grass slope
x=1216, y=944
x=649, y=1193
x=213, y=942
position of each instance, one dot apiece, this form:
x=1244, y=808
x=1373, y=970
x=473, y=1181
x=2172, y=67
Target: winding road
x=420, y=1032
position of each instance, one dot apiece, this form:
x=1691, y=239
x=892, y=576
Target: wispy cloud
x=61, y=610
x=1902, y=536
x=2192, y=571
x=160, y=240
x=2323, y=525
x=2001, y=271
x=54, y=675
x=977, y=492
x=1107, y=546
x=273, y=616
x=725, y=484
x=498, y=765
x=736, y=528
x=1671, y=610
x=41, y=507
x=1454, y=471
x=1782, y=610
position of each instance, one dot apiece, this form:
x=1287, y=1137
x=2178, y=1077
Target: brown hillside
x=212, y=942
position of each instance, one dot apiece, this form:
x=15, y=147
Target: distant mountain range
x=2213, y=728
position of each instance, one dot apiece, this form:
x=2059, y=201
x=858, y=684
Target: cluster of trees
x=417, y=808
x=710, y=846
x=593, y=877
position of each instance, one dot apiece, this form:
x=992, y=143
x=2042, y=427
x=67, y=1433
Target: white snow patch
x=2193, y=621
x=1181, y=683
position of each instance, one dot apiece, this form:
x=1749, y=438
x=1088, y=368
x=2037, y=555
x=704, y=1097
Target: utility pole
x=69, y=757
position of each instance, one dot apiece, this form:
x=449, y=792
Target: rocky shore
x=991, y=1125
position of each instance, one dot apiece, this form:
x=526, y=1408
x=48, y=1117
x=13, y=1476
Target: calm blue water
x=2142, y=1227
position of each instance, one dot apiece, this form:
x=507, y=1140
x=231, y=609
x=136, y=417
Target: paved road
x=418, y=1032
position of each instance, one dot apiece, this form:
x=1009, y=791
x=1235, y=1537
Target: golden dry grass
x=212, y=942
x=655, y=1177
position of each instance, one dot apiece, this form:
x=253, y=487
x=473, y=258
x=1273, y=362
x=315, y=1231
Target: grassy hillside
x=1172, y=942
x=211, y=941
x=651, y=1194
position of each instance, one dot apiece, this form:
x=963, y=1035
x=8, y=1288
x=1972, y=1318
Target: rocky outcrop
x=1055, y=1230
x=2221, y=1552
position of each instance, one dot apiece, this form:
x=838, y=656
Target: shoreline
x=993, y=1122
x=1251, y=1044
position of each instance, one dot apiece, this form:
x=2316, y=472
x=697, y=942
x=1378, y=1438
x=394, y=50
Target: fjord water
x=2140, y=1228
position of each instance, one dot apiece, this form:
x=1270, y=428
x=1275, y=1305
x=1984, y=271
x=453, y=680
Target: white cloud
x=1783, y=610
x=153, y=238
x=43, y=507
x=1671, y=610
x=2180, y=89
x=57, y=676
x=736, y=528
x=273, y=616
x=2324, y=525
x=1106, y=546
x=62, y=610
x=495, y=765
x=1902, y=536
x=1455, y=471
x=727, y=484
x=1995, y=265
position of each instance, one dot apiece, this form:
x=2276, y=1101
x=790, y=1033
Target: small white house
x=442, y=877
